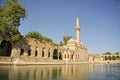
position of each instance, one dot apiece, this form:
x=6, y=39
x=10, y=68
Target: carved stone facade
x=74, y=49
x=30, y=49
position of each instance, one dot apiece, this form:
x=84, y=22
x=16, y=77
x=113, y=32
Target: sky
x=99, y=21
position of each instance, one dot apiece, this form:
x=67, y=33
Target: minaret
x=77, y=30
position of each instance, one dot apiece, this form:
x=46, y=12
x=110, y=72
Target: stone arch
x=109, y=57
x=36, y=51
x=5, y=48
x=29, y=51
x=22, y=51
x=106, y=58
x=60, y=55
x=49, y=52
x=55, y=54
x=72, y=55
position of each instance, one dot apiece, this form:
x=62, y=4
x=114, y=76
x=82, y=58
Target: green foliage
x=38, y=36
x=34, y=34
x=55, y=54
x=117, y=53
x=46, y=39
x=66, y=38
x=115, y=56
x=61, y=43
x=10, y=15
x=55, y=44
x=107, y=53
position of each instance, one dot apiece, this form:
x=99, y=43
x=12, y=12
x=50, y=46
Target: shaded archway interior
x=5, y=48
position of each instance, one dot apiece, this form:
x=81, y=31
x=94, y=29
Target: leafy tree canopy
x=38, y=36
x=107, y=53
x=117, y=53
x=10, y=15
x=66, y=38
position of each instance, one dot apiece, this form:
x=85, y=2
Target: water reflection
x=104, y=72
x=60, y=72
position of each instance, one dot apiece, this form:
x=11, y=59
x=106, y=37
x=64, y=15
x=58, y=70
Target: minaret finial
x=77, y=23
x=77, y=30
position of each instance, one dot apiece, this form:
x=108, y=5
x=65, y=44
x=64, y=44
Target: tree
x=46, y=39
x=10, y=15
x=61, y=43
x=107, y=53
x=117, y=53
x=66, y=38
x=55, y=54
x=34, y=34
x=38, y=36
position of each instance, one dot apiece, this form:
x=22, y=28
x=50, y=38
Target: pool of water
x=61, y=72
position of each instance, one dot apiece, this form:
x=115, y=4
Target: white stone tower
x=77, y=30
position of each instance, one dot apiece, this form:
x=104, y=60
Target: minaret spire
x=77, y=30
x=77, y=23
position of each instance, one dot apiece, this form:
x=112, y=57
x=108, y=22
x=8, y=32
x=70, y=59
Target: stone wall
x=28, y=49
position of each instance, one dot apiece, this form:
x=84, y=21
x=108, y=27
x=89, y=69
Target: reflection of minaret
x=77, y=30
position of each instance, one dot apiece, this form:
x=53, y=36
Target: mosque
x=74, y=50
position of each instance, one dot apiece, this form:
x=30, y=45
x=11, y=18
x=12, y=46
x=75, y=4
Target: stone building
x=27, y=49
x=74, y=50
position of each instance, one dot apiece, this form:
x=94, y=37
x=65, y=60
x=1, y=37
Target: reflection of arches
x=5, y=48
x=71, y=56
x=68, y=56
x=65, y=56
x=43, y=52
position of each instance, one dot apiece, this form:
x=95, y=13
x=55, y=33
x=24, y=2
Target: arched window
x=36, y=51
x=43, y=52
x=48, y=52
x=21, y=52
x=29, y=52
x=5, y=48
x=60, y=55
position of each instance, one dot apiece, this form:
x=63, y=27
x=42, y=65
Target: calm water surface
x=61, y=72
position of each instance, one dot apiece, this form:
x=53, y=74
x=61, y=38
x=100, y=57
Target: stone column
x=15, y=52
x=32, y=51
